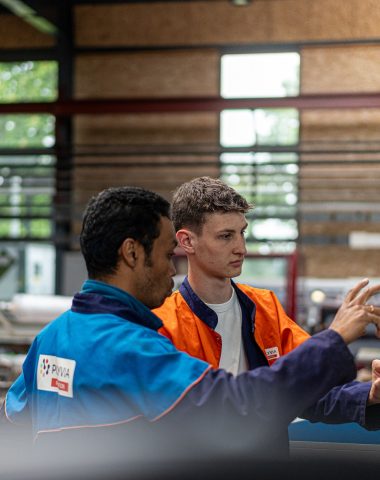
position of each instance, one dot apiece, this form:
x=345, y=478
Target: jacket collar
x=206, y=314
x=247, y=305
x=100, y=297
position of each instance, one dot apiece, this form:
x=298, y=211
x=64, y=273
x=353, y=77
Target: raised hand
x=354, y=315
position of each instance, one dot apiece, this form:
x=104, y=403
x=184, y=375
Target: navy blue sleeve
x=253, y=410
x=280, y=393
x=345, y=404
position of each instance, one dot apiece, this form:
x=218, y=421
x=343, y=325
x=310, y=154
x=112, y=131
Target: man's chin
x=168, y=293
x=234, y=273
x=159, y=303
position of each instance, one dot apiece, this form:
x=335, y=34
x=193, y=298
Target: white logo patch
x=272, y=353
x=56, y=374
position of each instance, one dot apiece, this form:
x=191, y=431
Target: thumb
x=375, y=369
x=374, y=394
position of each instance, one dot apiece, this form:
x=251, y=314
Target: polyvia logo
x=45, y=367
x=56, y=374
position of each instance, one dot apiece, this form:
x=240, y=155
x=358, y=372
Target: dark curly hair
x=203, y=195
x=114, y=215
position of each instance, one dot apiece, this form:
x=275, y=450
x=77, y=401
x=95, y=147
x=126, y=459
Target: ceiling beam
x=32, y=12
x=193, y=104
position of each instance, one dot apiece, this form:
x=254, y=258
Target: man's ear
x=129, y=252
x=186, y=240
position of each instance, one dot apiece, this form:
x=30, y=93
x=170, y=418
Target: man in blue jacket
x=102, y=366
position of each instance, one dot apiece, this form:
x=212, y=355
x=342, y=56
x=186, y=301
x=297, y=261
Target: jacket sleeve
x=346, y=403
x=273, y=397
x=16, y=406
x=343, y=404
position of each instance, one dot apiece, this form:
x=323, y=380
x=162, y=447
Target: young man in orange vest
x=101, y=378
x=230, y=325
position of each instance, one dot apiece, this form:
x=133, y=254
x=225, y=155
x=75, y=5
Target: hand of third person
x=374, y=394
x=354, y=314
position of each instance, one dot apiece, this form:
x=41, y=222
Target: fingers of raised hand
x=362, y=297
x=369, y=292
x=352, y=294
x=373, y=315
x=372, y=309
x=366, y=314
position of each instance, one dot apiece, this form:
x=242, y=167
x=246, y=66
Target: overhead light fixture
x=241, y=3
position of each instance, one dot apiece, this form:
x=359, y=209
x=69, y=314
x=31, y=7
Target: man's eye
x=225, y=236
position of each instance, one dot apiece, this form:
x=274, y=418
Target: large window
x=260, y=75
x=258, y=160
x=27, y=180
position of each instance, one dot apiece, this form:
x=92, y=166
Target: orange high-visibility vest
x=274, y=332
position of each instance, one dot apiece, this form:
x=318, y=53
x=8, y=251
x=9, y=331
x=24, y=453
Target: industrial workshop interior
x=280, y=99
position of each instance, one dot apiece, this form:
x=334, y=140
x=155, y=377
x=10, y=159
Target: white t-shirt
x=229, y=314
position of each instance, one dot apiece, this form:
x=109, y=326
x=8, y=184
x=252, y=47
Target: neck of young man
x=210, y=289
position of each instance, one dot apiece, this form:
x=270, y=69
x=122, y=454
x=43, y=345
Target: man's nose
x=240, y=246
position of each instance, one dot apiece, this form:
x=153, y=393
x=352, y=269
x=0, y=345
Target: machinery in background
x=320, y=299
x=20, y=321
